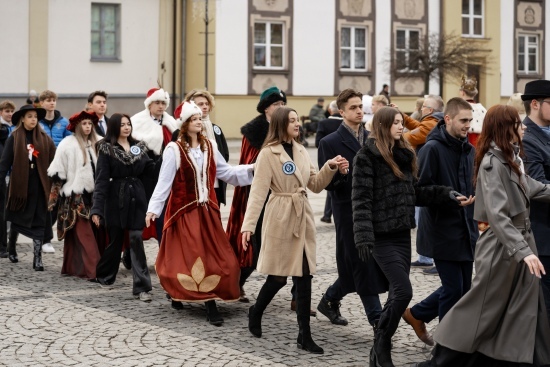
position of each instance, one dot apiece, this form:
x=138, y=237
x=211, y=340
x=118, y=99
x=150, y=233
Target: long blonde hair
x=381, y=124
x=83, y=140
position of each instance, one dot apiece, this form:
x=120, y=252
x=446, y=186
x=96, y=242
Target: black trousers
x=3, y=223
x=107, y=268
x=392, y=252
x=545, y=260
x=371, y=302
x=456, y=280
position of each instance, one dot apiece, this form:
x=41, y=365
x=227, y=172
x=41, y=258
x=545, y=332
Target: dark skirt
x=195, y=262
x=80, y=251
x=35, y=233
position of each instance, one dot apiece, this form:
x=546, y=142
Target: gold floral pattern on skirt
x=197, y=282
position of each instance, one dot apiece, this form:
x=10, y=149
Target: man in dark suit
x=353, y=274
x=324, y=128
x=97, y=102
x=536, y=145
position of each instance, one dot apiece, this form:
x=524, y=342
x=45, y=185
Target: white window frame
x=470, y=16
x=352, y=48
x=407, y=48
x=268, y=45
x=529, y=46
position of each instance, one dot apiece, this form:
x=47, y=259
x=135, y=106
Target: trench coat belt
x=298, y=201
x=522, y=223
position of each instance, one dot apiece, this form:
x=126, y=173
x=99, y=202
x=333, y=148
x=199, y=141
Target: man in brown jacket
x=431, y=112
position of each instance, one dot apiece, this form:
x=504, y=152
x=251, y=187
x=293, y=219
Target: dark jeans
x=392, y=252
x=545, y=260
x=371, y=303
x=107, y=268
x=456, y=280
x=328, y=206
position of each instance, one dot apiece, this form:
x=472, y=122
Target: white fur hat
x=157, y=94
x=186, y=110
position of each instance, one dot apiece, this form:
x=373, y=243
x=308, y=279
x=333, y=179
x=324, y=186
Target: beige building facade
x=237, y=48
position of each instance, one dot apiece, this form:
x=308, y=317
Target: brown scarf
x=19, y=178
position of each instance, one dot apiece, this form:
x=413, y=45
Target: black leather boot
x=37, y=260
x=212, y=314
x=381, y=351
x=12, y=239
x=303, y=305
x=255, y=312
x=332, y=311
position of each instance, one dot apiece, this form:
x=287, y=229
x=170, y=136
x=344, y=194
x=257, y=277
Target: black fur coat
x=255, y=131
x=384, y=203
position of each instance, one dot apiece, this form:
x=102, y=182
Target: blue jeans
x=456, y=280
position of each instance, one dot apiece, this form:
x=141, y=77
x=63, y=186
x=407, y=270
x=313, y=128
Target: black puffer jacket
x=384, y=203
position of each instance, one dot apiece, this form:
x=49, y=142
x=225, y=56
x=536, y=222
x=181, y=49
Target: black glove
x=365, y=252
x=453, y=195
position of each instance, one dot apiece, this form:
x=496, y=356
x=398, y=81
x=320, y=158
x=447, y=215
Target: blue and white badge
x=135, y=150
x=217, y=130
x=289, y=168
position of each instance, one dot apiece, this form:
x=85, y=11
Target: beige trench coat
x=503, y=314
x=288, y=228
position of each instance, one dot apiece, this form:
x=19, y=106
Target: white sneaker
x=143, y=296
x=48, y=248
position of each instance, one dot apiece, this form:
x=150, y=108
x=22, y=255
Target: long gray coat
x=503, y=315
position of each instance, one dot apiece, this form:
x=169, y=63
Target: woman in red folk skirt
x=72, y=173
x=195, y=262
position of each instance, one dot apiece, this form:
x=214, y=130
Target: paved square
x=47, y=319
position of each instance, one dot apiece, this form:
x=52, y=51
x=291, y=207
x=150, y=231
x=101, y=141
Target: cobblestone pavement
x=51, y=320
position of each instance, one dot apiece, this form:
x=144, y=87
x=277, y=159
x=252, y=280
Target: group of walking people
x=154, y=175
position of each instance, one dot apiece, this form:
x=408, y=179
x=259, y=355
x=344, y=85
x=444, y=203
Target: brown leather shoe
x=312, y=313
x=419, y=327
x=243, y=298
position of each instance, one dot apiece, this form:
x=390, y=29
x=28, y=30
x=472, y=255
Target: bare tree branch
x=439, y=56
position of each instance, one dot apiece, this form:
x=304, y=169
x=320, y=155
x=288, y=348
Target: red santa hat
x=157, y=94
x=186, y=110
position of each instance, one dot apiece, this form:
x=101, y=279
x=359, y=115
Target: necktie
x=102, y=125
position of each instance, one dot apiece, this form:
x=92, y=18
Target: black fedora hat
x=536, y=89
x=26, y=108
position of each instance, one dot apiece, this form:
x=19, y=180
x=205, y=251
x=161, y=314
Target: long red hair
x=501, y=125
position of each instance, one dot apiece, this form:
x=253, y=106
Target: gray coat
x=503, y=315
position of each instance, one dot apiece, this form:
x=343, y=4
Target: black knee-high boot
x=303, y=306
x=37, y=260
x=380, y=354
x=255, y=312
x=12, y=239
x=212, y=314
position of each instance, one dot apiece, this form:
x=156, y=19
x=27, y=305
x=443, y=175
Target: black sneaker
x=430, y=271
x=421, y=264
x=332, y=311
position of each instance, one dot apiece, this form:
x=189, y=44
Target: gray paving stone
x=52, y=320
